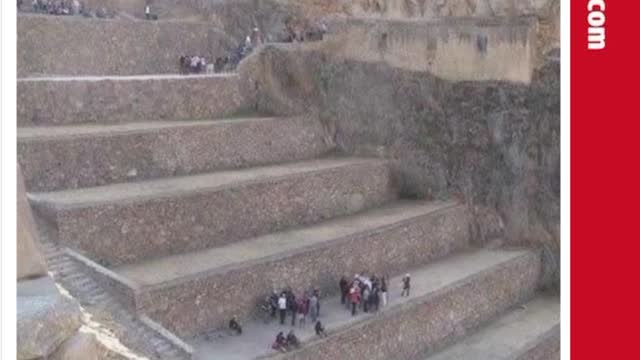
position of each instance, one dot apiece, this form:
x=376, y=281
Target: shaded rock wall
x=495, y=144
x=453, y=49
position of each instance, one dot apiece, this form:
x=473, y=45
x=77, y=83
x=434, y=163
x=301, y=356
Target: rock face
x=30, y=261
x=494, y=143
x=46, y=318
x=84, y=346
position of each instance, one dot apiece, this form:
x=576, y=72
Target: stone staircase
x=163, y=204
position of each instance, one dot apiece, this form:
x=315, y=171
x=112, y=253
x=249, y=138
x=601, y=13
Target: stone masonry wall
x=59, y=45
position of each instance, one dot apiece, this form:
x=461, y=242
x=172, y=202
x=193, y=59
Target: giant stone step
x=449, y=298
x=63, y=157
x=51, y=101
x=193, y=292
x=121, y=223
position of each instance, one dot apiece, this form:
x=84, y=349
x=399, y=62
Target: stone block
x=46, y=318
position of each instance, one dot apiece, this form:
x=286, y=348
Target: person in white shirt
x=282, y=306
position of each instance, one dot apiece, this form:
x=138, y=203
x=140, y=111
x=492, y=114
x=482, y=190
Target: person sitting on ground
x=320, y=329
x=281, y=343
x=101, y=13
x=292, y=340
x=234, y=326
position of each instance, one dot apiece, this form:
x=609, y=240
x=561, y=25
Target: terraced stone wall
x=72, y=45
x=494, y=143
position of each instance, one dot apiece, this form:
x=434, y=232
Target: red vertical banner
x=605, y=157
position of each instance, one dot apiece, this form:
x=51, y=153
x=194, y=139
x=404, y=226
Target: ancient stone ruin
x=416, y=137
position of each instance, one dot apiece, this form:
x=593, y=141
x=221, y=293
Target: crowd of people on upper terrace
x=294, y=31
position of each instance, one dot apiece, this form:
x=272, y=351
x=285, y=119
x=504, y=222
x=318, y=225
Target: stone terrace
x=449, y=297
x=190, y=208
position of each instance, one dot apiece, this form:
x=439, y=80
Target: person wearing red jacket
x=303, y=310
x=354, y=298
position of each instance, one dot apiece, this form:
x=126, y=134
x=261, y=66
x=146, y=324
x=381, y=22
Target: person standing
x=273, y=303
x=292, y=303
x=354, y=298
x=282, y=306
x=406, y=285
x=316, y=293
x=344, y=289
x=383, y=290
x=313, y=307
x=303, y=310
x=366, y=293
x=375, y=298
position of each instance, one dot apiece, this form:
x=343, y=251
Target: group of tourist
x=291, y=342
x=367, y=293
x=57, y=7
x=299, y=308
x=66, y=7
x=193, y=64
x=363, y=292
x=284, y=344
x=230, y=61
